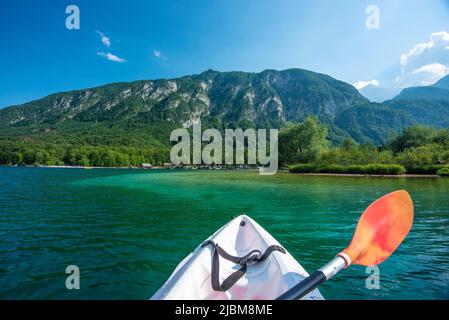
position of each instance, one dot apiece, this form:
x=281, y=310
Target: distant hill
x=436, y=92
x=424, y=93
x=443, y=83
x=428, y=105
x=145, y=112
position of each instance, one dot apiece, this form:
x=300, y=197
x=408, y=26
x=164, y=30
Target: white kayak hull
x=267, y=280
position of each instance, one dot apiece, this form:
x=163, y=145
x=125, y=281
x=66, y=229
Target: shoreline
x=358, y=175
x=369, y=175
x=158, y=168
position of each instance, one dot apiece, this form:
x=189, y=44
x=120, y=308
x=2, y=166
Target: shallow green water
x=127, y=230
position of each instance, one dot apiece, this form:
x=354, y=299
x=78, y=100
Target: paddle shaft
x=314, y=280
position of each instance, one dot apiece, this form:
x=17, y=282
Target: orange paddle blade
x=381, y=229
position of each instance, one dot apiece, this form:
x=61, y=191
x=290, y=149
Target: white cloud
x=110, y=57
x=104, y=39
x=437, y=39
x=431, y=73
x=426, y=62
x=359, y=85
x=159, y=55
x=423, y=64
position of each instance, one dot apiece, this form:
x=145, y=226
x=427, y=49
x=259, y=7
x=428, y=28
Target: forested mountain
x=425, y=112
x=427, y=105
x=267, y=99
x=144, y=112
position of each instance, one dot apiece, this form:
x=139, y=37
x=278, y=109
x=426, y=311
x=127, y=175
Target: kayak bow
x=241, y=238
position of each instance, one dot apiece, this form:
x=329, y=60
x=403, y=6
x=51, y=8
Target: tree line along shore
x=303, y=148
x=417, y=150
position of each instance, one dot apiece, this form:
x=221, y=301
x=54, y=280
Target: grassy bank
x=373, y=169
x=443, y=172
x=381, y=169
x=429, y=169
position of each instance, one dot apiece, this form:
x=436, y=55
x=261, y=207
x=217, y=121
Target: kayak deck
x=267, y=280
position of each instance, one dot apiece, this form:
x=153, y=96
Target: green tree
x=441, y=137
x=302, y=143
x=29, y=156
x=43, y=158
x=349, y=144
x=411, y=137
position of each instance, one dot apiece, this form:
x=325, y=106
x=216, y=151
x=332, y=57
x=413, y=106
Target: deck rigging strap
x=255, y=256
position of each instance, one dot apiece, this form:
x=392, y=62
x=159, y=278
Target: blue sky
x=39, y=56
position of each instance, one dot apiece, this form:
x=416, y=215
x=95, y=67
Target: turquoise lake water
x=128, y=229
